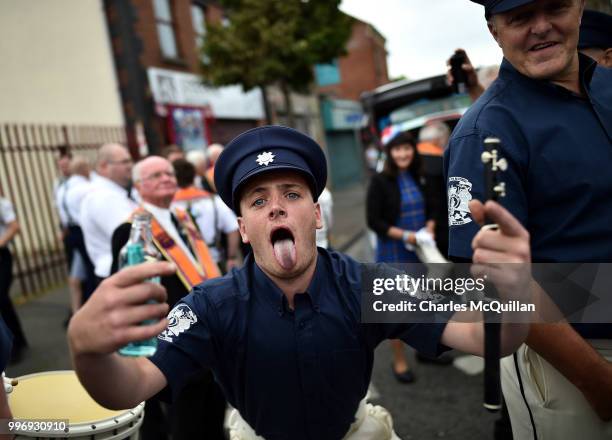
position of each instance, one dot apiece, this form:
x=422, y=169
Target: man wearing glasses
x=107, y=206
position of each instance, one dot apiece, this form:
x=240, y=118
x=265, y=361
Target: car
x=408, y=106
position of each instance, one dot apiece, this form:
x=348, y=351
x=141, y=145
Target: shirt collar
x=77, y=178
x=157, y=212
x=265, y=287
x=106, y=182
x=586, y=68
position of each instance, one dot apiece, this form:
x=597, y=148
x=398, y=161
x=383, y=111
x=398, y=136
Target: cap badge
x=265, y=158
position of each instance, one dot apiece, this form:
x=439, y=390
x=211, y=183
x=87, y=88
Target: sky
x=422, y=34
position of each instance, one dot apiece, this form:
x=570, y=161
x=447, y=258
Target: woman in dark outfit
x=396, y=211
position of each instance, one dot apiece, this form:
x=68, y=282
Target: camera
x=459, y=84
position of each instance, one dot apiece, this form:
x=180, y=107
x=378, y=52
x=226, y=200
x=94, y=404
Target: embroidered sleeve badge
x=180, y=319
x=458, y=198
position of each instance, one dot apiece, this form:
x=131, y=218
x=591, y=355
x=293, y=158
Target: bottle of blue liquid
x=138, y=250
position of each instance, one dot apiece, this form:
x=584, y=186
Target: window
x=165, y=28
x=198, y=17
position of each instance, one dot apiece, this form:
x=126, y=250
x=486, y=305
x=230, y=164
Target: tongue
x=284, y=251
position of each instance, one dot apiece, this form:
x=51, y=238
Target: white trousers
x=371, y=423
x=559, y=409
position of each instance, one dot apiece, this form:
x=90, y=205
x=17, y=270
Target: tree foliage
x=267, y=42
x=600, y=5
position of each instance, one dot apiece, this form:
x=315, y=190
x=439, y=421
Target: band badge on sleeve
x=180, y=319
x=459, y=196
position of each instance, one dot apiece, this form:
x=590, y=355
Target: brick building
x=155, y=46
x=340, y=85
x=363, y=68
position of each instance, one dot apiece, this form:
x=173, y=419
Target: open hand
x=112, y=317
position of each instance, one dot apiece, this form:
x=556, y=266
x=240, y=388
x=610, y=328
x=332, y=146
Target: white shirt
x=59, y=194
x=76, y=188
x=326, y=202
x=162, y=215
x=211, y=217
x=102, y=211
x=93, y=176
x=7, y=214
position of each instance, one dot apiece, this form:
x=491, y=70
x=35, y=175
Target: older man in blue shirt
x=551, y=107
x=283, y=334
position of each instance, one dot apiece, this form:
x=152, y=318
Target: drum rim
x=100, y=426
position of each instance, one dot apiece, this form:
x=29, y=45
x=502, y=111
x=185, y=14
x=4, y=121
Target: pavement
x=444, y=402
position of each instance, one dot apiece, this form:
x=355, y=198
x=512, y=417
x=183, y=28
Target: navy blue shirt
x=292, y=374
x=6, y=340
x=559, y=149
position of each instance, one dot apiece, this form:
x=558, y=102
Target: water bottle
x=138, y=250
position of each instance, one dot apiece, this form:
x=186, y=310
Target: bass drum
x=58, y=396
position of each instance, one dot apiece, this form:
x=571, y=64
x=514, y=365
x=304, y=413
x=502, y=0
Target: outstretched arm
x=492, y=250
x=118, y=382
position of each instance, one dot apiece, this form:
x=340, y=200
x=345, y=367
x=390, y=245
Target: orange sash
x=191, y=275
x=429, y=149
x=190, y=193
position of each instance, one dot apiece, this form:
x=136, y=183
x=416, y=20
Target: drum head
x=58, y=395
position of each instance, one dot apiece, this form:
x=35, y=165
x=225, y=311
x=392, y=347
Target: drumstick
x=493, y=190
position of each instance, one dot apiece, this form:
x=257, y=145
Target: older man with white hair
x=107, y=205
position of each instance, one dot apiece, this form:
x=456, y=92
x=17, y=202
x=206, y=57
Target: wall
x=57, y=65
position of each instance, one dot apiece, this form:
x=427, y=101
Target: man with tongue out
x=551, y=108
x=283, y=334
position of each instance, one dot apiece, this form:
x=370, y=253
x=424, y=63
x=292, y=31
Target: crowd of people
x=279, y=337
